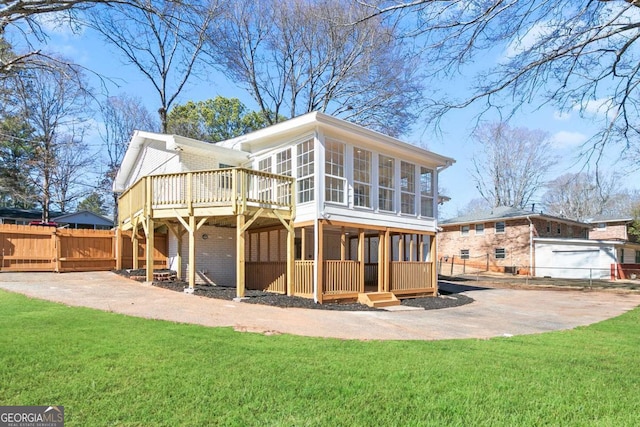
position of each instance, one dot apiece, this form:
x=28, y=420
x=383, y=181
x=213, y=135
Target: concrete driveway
x=495, y=312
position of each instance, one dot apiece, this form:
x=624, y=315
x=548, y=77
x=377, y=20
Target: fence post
x=452, y=257
x=487, y=263
x=464, y=265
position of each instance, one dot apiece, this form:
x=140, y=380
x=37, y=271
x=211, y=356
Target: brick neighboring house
x=616, y=228
x=501, y=240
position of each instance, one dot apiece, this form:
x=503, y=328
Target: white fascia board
x=181, y=143
x=256, y=141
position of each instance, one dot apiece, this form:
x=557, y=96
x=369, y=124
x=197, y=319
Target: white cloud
x=565, y=139
x=597, y=107
x=561, y=116
x=520, y=44
x=59, y=23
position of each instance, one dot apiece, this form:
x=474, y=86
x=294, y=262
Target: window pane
x=407, y=188
x=334, y=158
x=426, y=206
x=362, y=195
x=305, y=169
x=426, y=182
x=500, y=253
x=361, y=178
x=500, y=227
x=283, y=162
x=334, y=189
x=464, y=253
x=464, y=230
x=386, y=171
x=479, y=228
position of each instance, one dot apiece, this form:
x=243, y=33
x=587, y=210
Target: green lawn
x=108, y=369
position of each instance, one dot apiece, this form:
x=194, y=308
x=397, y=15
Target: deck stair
x=378, y=299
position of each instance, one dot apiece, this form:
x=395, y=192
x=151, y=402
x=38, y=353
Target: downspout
x=530, y=245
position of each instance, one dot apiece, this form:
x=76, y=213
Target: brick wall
x=616, y=230
x=514, y=240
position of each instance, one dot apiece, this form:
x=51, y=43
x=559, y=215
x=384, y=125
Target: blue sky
x=568, y=131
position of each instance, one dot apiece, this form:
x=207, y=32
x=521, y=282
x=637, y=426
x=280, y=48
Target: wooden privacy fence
x=33, y=248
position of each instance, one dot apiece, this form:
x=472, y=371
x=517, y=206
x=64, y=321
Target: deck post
x=192, y=251
x=150, y=248
x=432, y=258
x=240, y=256
x=303, y=243
x=117, y=250
x=291, y=255
x=134, y=241
x=387, y=260
x=343, y=244
x=381, y=263
x=361, y=258
x=320, y=263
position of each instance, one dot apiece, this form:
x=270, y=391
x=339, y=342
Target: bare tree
x=121, y=115
x=299, y=56
x=512, y=163
x=163, y=41
x=578, y=55
x=53, y=103
x=72, y=159
x=579, y=196
x=24, y=17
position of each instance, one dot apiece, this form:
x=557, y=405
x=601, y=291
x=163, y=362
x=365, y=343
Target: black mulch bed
x=277, y=300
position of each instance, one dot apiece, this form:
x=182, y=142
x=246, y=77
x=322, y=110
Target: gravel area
x=284, y=301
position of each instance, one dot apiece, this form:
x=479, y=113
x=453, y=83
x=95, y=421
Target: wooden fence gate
x=34, y=248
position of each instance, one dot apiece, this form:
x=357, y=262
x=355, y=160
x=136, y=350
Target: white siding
x=154, y=160
x=572, y=260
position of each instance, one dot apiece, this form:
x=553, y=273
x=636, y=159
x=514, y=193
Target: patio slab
x=495, y=312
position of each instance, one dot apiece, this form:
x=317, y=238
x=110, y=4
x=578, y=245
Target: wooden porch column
x=240, y=256
x=361, y=258
x=291, y=256
x=387, y=259
x=400, y=247
x=150, y=248
x=136, y=248
x=343, y=244
x=432, y=258
x=303, y=244
x=381, y=261
x=192, y=251
x=320, y=262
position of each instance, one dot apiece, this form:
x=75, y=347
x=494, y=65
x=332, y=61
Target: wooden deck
x=233, y=197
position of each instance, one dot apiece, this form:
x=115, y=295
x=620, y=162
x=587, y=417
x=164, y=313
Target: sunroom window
x=283, y=167
x=408, y=188
x=426, y=192
x=305, y=170
x=361, y=178
x=335, y=181
x=386, y=192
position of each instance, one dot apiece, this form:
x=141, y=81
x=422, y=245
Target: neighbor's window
x=386, y=192
x=361, y=178
x=464, y=253
x=500, y=227
x=637, y=257
x=602, y=225
x=408, y=188
x=559, y=229
x=500, y=253
x=479, y=228
x=304, y=171
x=464, y=230
x=335, y=181
x=426, y=192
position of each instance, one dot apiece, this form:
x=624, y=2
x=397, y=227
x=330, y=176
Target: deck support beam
x=361, y=245
x=382, y=266
x=240, y=256
x=150, y=248
x=432, y=258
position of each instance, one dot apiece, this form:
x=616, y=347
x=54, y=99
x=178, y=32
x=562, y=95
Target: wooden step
x=378, y=299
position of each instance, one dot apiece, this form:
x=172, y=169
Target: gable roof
x=172, y=143
x=505, y=213
x=609, y=218
x=23, y=214
x=83, y=217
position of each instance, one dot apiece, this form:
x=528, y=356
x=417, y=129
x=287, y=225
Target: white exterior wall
x=215, y=256
x=154, y=159
x=574, y=260
x=347, y=212
x=197, y=162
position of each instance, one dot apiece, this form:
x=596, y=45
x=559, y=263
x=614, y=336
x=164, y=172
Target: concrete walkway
x=495, y=312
